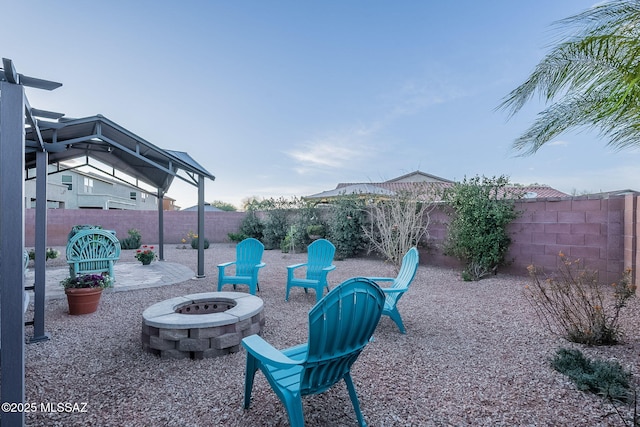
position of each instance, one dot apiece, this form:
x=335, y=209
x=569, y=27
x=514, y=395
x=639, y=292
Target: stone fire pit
x=201, y=325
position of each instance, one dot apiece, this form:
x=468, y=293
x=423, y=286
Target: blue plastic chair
x=319, y=258
x=248, y=263
x=340, y=326
x=400, y=285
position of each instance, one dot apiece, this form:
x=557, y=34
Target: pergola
x=34, y=139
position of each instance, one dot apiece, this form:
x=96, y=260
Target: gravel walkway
x=474, y=355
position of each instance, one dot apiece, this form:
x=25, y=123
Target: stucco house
x=76, y=189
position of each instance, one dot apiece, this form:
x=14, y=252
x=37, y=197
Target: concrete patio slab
x=129, y=276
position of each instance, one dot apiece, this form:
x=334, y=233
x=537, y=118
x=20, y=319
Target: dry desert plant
x=574, y=304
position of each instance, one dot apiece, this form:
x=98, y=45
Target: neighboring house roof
x=431, y=183
x=541, y=191
x=418, y=176
x=611, y=193
x=207, y=208
x=353, y=189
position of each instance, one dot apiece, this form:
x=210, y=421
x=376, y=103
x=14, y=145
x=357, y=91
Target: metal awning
x=101, y=139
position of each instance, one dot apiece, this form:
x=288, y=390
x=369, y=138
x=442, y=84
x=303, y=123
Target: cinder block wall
x=177, y=224
x=597, y=229
x=601, y=230
x=587, y=228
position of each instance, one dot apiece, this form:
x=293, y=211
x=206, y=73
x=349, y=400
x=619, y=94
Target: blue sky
x=288, y=98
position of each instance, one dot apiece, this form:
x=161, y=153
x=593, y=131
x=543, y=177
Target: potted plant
x=84, y=291
x=145, y=255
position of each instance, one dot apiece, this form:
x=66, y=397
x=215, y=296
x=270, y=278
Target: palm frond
x=591, y=78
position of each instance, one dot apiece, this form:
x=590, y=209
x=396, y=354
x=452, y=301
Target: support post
x=42, y=161
x=12, y=107
x=160, y=225
x=200, y=227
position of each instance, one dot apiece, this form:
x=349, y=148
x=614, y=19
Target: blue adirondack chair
x=400, y=286
x=340, y=326
x=248, y=263
x=319, y=258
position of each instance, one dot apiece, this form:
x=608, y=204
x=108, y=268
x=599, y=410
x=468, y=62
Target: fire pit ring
x=203, y=325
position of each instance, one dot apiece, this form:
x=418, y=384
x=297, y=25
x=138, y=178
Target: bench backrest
x=93, y=251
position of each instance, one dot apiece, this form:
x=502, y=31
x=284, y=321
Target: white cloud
x=333, y=152
x=343, y=148
x=324, y=154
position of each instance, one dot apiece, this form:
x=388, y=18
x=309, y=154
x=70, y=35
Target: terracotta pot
x=83, y=300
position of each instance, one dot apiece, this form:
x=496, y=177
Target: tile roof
x=431, y=183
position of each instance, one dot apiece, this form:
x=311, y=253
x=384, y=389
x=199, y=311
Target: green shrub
x=572, y=303
x=307, y=223
x=236, y=237
x=346, y=221
x=276, y=222
x=194, y=243
x=605, y=378
x=49, y=254
x=133, y=241
x=316, y=230
x=482, y=208
x=251, y=225
x=289, y=242
x=223, y=206
x=275, y=229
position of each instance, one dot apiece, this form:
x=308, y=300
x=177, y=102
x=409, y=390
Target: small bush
x=287, y=245
x=276, y=223
x=293, y=241
x=347, y=219
x=316, y=230
x=194, y=243
x=575, y=305
x=49, y=254
x=251, y=225
x=605, y=378
x=223, y=206
x=236, y=237
x=133, y=241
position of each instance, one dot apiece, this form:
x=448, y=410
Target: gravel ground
x=474, y=355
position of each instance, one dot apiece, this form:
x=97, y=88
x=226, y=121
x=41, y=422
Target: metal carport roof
x=99, y=138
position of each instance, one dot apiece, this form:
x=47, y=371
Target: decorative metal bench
x=93, y=252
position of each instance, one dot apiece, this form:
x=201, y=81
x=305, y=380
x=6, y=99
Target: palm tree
x=591, y=78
